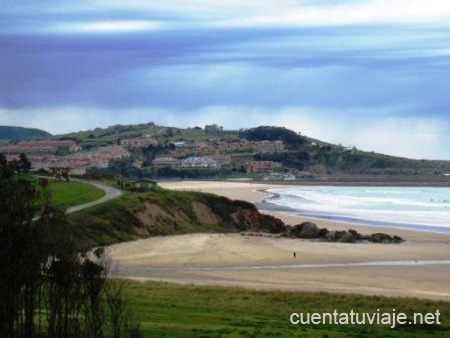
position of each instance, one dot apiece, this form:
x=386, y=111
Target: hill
x=314, y=159
x=165, y=212
x=20, y=133
x=113, y=134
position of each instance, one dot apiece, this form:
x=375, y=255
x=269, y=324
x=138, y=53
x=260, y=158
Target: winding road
x=110, y=193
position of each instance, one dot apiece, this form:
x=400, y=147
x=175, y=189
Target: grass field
x=68, y=194
x=169, y=310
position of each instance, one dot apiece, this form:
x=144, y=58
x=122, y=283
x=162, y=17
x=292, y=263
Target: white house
x=273, y=177
x=78, y=171
x=199, y=162
x=289, y=177
x=182, y=144
x=351, y=150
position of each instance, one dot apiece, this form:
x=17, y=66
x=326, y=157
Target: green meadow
x=68, y=194
x=170, y=310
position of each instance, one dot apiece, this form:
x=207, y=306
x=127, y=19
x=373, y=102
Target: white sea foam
x=405, y=206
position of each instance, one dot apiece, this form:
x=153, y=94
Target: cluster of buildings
x=76, y=163
x=60, y=164
x=100, y=157
x=274, y=176
x=255, y=147
x=141, y=142
x=200, y=148
x=48, y=155
x=255, y=167
x=199, y=162
x=215, y=161
x=39, y=147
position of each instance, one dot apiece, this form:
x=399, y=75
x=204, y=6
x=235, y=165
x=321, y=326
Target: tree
x=62, y=151
x=43, y=277
x=117, y=304
x=168, y=133
x=213, y=128
x=289, y=137
x=24, y=164
x=18, y=239
x=124, y=167
x=65, y=175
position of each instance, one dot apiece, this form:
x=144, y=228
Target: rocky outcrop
x=308, y=230
x=304, y=230
x=271, y=224
x=384, y=238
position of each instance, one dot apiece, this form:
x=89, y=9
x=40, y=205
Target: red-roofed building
x=261, y=166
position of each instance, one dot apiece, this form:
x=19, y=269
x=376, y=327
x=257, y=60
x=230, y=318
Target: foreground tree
x=22, y=165
x=47, y=287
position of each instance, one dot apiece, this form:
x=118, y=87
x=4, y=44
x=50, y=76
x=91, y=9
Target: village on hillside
x=261, y=153
x=55, y=156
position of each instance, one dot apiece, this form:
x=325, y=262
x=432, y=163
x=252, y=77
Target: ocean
x=426, y=209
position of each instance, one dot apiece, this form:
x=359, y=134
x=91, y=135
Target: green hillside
x=310, y=156
x=19, y=133
x=112, y=134
x=165, y=212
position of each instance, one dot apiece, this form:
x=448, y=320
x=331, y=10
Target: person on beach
x=294, y=255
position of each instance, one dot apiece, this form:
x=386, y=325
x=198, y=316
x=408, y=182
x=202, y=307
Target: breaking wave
x=419, y=208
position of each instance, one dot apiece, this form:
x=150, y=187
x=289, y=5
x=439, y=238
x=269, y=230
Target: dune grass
x=170, y=310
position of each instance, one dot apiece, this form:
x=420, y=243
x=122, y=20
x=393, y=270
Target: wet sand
x=268, y=263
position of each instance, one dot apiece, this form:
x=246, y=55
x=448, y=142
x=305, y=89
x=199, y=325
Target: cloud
x=112, y=26
x=361, y=72
x=297, y=13
x=413, y=137
x=407, y=137
x=69, y=17
x=353, y=13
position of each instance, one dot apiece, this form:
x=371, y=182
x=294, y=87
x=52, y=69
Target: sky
x=369, y=73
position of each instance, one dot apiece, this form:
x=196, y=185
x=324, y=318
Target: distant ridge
x=311, y=157
x=20, y=133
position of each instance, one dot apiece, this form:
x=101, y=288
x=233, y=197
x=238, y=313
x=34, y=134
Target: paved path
x=110, y=193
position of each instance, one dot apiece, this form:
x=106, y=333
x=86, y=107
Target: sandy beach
x=420, y=267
